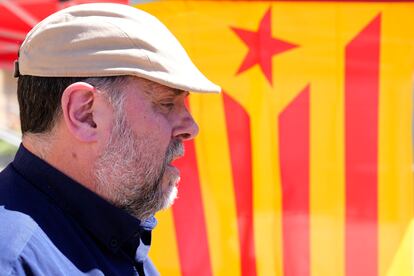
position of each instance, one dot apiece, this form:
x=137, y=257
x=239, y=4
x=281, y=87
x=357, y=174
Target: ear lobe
x=78, y=102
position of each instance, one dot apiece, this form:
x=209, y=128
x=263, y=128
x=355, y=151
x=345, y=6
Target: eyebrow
x=173, y=92
x=167, y=92
x=178, y=92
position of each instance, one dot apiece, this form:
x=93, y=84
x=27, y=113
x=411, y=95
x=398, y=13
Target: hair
x=40, y=97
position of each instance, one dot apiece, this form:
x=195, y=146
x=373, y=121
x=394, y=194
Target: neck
x=64, y=155
x=38, y=144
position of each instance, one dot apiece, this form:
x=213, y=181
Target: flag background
x=303, y=163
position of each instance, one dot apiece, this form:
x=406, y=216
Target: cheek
x=149, y=125
x=155, y=131
x=158, y=136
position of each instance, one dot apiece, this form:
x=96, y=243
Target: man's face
x=134, y=171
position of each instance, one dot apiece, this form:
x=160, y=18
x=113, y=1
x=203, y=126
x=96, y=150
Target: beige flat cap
x=104, y=39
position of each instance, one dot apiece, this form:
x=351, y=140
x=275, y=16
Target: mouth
x=171, y=161
x=175, y=152
x=176, y=158
x=172, y=164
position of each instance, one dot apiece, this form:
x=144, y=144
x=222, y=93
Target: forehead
x=156, y=90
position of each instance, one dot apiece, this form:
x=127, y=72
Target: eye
x=167, y=105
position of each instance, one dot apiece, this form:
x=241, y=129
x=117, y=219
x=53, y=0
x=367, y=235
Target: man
x=101, y=90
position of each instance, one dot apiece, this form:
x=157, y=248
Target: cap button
x=113, y=242
x=16, y=72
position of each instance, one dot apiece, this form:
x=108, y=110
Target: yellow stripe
x=164, y=252
x=327, y=187
x=395, y=146
x=216, y=182
x=266, y=189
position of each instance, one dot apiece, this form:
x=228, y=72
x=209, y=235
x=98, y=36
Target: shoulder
x=16, y=231
x=25, y=249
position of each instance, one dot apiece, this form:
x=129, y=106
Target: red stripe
x=361, y=150
x=238, y=131
x=294, y=165
x=189, y=218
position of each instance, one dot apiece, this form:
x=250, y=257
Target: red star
x=262, y=46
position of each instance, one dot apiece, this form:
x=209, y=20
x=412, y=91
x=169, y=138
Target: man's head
x=134, y=170
x=102, y=91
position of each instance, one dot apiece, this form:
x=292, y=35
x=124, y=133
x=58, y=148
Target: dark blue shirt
x=52, y=225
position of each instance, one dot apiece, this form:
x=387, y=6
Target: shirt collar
x=112, y=226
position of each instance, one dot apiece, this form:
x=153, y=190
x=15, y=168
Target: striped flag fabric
x=303, y=165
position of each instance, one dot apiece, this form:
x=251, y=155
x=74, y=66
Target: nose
x=186, y=128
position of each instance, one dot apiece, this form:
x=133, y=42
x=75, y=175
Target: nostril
x=186, y=128
x=185, y=136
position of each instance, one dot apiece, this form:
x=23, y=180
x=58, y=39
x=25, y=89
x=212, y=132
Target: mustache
x=175, y=149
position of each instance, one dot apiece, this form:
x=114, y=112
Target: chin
x=170, y=196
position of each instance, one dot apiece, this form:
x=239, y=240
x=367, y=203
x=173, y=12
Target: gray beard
x=127, y=175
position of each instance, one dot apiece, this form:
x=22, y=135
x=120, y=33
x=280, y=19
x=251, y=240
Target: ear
x=78, y=103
